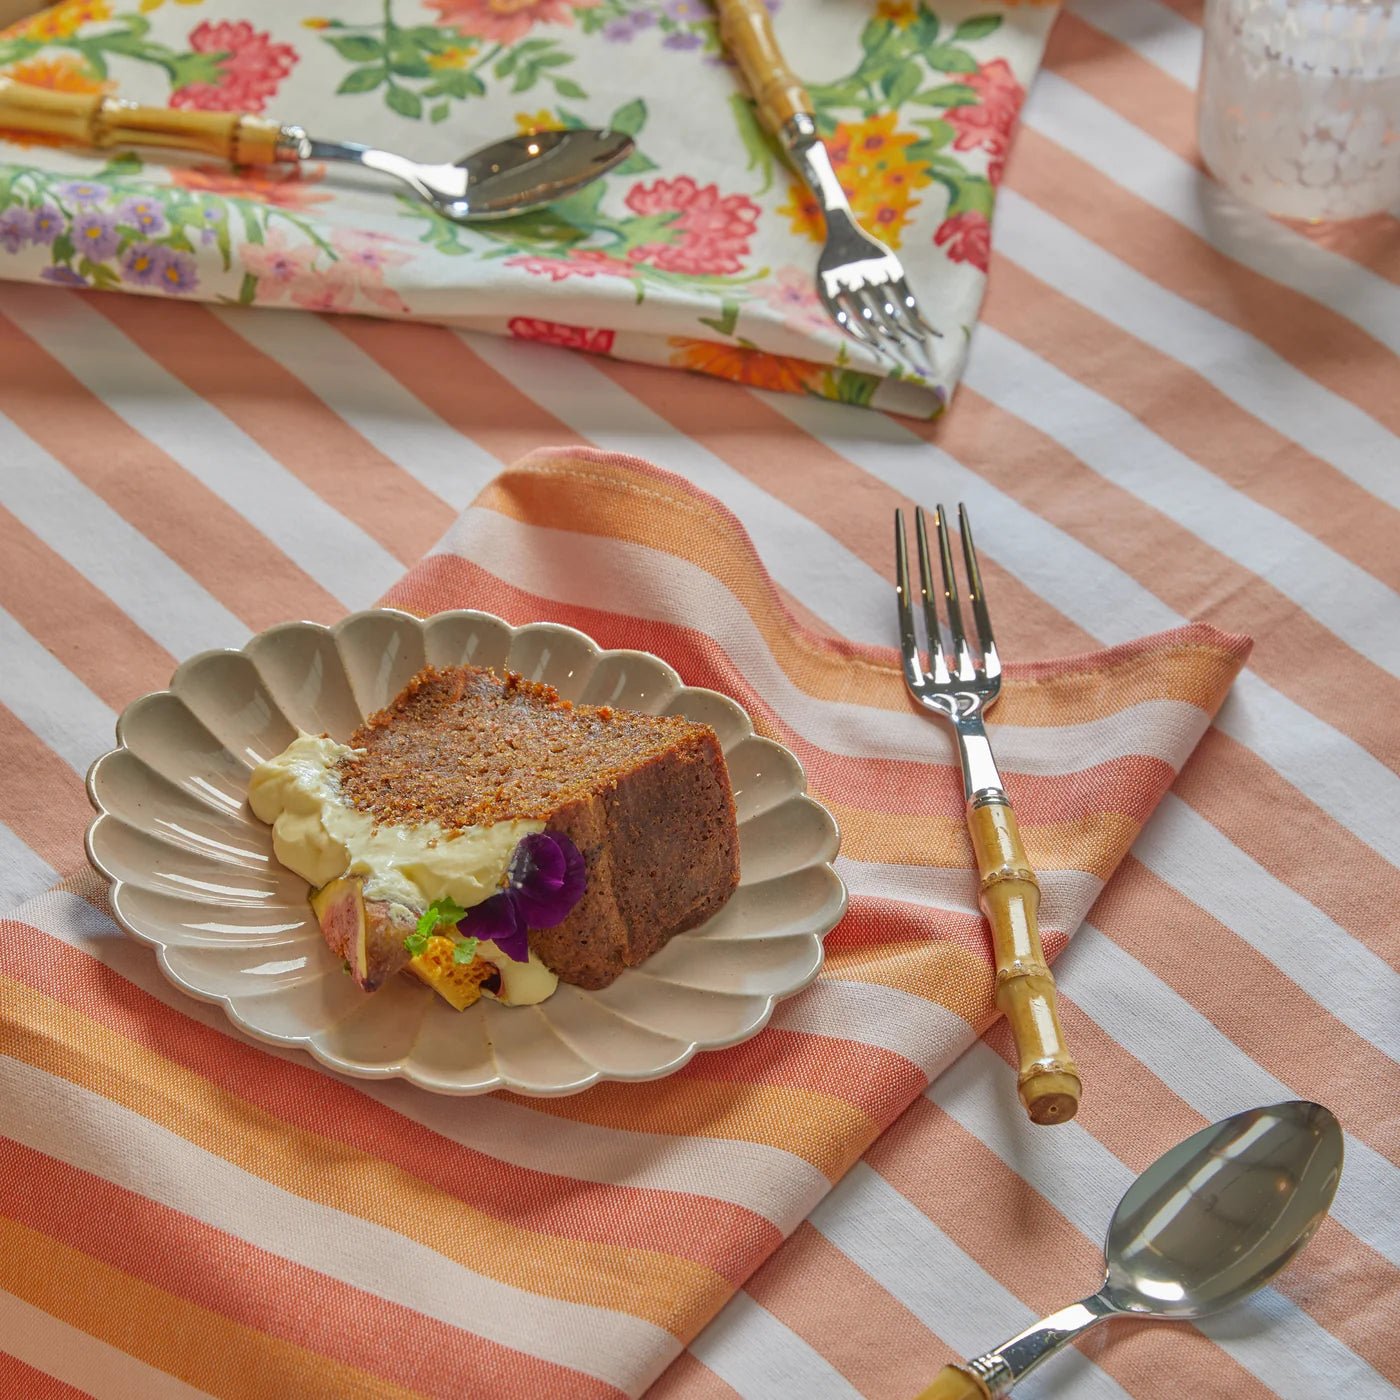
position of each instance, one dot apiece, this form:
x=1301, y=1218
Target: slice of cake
x=489, y=836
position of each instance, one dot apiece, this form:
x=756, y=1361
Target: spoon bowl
x=1216, y=1217
x=1208, y=1223
x=507, y=177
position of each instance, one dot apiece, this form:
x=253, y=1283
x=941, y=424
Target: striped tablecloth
x=1172, y=411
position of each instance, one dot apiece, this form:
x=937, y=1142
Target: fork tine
x=908, y=637
x=985, y=640
x=910, y=308
x=935, y=641
x=950, y=593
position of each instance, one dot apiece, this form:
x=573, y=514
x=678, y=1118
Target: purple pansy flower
x=175, y=272
x=545, y=879
x=46, y=224
x=64, y=276
x=84, y=191
x=94, y=234
x=142, y=213
x=16, y=228
x=142, y=264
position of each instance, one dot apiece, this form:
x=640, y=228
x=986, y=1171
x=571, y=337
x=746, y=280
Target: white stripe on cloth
x=79, y=1359
x=893, y=1241
x=772, y=1183
x=1185, y=1050
x=57, y=1117
x=751, y=1351
x=50, y=700
x=1112, y=442
x=1338, y=971
x=799, y=554
x=23, y=872
x=1071, y=118
x=623, y=577
x=337, y=553
x=1244, y=369
x=1164, y=38
x=368, y=399
x=1269, y=1335
x=1327, y=766
x=116, y=558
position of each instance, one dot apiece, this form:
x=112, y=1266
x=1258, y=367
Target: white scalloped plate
x=193, y=875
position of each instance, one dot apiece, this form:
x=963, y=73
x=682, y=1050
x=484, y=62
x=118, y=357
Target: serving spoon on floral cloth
x=505, y=178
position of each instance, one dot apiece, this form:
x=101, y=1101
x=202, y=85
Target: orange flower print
x=286, y=186
x=62, y=74
x=504, y=21
x=900, y=12
x=63, y=21
x=738, y=363
x=528, y=123
x=872, y=162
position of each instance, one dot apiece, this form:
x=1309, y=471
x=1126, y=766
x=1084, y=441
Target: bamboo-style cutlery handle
x=953, y=1384
x=1047, y=1078
x=89, y=119
x=747, y=33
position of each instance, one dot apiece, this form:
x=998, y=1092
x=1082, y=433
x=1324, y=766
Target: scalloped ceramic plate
x=193, y=874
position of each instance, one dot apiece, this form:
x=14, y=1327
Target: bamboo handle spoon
x=509, y=177
x=1207, y=1224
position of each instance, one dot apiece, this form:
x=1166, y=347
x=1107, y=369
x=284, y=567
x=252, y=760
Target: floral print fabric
x=698, y=252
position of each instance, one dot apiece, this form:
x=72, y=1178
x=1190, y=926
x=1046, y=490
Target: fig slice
x=361, y=931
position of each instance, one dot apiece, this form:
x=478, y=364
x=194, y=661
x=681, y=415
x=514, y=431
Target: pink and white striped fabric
x=1173, y=411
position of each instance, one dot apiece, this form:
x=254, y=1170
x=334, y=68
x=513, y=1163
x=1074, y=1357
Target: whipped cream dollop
x=319, y=836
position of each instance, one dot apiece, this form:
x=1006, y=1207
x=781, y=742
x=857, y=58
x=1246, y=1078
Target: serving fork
x=859, y=280
x=960, y=686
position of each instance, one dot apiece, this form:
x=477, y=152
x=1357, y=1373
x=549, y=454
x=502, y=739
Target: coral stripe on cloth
x=1174, y=427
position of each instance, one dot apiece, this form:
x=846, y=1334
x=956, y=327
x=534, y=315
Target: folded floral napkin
x=216, y=1209
x=699, y=252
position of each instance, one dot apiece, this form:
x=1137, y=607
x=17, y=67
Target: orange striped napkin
x=238, y=1218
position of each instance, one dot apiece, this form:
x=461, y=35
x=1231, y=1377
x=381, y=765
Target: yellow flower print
x=900, y=12
x=148, y=5
x=64, y=20
x=872, y=162
x=455, y=57
x=316, y=22
x=527, y=123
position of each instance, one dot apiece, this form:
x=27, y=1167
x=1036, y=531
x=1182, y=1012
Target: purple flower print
x=94, y=234
x=47, y=223
x=176, y=272
x=64, y=276
x=16, y=228
x=142, y=213
x=209, y=229
x=682, y=39
x=83, y=191
x=142, y=264
x=627, y=27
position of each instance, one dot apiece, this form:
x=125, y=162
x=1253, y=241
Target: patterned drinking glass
x=1299, y=104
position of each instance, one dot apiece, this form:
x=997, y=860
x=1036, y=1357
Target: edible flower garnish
x=441, y=911
x=544, y=881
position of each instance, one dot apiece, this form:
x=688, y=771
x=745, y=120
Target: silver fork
x=859, y=280
x=960, y=687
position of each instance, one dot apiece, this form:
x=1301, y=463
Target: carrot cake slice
x=491, y=837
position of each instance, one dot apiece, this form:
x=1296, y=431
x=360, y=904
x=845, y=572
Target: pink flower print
x=504, y=21
x=597, y=341
x=277, y=265
x=967, y=237
x=587, y=262
x=251, y=67
x=714, y=229
x=987, y=124
x=791, y=293
x=361, y=262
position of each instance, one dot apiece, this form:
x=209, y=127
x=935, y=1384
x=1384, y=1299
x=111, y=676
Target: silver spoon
x=508, y=177
x=1206, y=1225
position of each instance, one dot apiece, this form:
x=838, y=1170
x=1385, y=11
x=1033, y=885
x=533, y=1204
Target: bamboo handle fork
x=960, y=688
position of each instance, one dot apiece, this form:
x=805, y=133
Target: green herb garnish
x=464, y=950
x=441, y=911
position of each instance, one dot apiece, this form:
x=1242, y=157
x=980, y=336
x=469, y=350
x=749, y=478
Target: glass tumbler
x=1298, y=107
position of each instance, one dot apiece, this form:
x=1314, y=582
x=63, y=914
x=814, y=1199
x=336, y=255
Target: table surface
x=1174, y=410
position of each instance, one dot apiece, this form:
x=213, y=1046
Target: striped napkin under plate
x=204, y=1208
